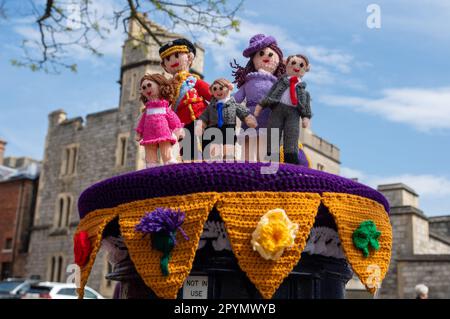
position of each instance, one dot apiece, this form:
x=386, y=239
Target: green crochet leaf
x=366, y=236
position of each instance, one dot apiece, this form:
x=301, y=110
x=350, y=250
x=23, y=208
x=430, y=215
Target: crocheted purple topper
x=191, y=178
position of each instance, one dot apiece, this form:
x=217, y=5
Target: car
x=12, y=288
x=58, y=290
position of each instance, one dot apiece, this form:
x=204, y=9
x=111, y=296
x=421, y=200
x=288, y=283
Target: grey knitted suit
x=287, y=117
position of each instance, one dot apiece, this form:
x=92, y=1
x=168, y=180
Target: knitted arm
x=205, y=115
x=242, y=112
x=305, y=104
x=173, y=120
x=239, y=96
x=140, y=127
x=268, y=100
x=203, y=89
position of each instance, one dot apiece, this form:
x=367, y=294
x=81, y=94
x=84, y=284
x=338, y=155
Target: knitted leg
x=291, y=136
x=276, y=122
x=151, y=155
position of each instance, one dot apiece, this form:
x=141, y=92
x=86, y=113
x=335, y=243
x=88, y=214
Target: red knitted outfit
x=196, y=98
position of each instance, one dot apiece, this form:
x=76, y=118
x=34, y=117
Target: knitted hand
x=179, y=133
x=305, y=122
x=258, y=110
x=250, y=120
x=138, y=137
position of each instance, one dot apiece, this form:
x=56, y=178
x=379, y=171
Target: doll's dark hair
x=240, y=73
x=165, y=88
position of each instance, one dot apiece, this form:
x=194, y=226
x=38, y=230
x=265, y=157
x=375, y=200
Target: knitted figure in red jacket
x=191, y=93
x=159, y=126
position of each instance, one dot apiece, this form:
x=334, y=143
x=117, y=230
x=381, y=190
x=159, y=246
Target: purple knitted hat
x=258, y=42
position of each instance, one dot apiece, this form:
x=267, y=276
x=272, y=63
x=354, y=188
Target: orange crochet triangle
x=241, y=213
x=146, y=259
x=94, y=225
x=349, y=211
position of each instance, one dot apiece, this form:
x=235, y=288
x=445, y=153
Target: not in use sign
x=195, y=287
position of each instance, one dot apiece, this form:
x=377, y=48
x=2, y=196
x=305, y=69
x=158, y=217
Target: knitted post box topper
x=221, y=114
x=159, y=126
x=289, y=102
x=190, y=92
x=242, y=196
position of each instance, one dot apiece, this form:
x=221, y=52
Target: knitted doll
x=159, y=126
x=289, y=101
x=221, y=113
x=255, y=80
x=190, y=92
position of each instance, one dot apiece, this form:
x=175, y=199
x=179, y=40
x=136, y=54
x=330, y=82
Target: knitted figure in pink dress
x=159, y=126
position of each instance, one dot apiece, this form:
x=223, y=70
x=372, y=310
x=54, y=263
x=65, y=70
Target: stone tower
x=81, y=152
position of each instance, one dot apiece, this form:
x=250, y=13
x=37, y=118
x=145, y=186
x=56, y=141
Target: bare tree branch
x=64, y=25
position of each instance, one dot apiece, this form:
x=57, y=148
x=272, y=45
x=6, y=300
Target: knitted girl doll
x=289, y=102
x=254, y=82
x=159, y=126
x=221, y=113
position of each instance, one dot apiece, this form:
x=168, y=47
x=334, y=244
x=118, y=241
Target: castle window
x=56, y=268
x=63, y=211
x=121, y=149
x=69, y=162
x=320, y=167
x=133, y=86
x=8, y=244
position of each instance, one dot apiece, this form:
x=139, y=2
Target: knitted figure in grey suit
x=289, y=102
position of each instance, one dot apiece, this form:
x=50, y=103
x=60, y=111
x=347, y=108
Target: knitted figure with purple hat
x=254, y=81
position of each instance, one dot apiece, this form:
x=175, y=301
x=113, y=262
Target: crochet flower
x=366, y=235
x=162, y=224
x=273, y=234
x=81, y=248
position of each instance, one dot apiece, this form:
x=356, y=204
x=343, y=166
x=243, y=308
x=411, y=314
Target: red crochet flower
x=82, y=248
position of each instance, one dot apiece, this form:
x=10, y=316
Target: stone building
x=421, y=247
x=81, y=152
x=18, y=187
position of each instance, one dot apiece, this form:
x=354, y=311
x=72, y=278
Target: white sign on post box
x=195, y=287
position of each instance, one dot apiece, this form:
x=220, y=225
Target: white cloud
x=434, y=191
x=424, y=109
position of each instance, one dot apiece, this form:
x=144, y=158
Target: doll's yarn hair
x=240, y=73
x=304, y=57
x=165, y=88
x=223, y=83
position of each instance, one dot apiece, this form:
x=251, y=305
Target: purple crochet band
x=183, y=179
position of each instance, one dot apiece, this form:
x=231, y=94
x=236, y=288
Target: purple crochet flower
x=163, y=220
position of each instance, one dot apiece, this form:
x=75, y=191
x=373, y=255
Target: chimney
x=400, y=195
x=2, y=150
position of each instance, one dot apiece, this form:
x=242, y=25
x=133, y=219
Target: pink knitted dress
x=157, y=123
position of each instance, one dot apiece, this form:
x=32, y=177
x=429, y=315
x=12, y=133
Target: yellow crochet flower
x=273, y=234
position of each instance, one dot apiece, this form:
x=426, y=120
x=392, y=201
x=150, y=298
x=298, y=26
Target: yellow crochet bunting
x=94, y=225
x=349, y=211
x=241, y=213
x=146, y=259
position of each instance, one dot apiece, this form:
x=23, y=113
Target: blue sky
x=381, y=95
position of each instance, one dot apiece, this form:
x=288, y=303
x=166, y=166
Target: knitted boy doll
x=221, y=113
x=289, y=102
x=191, y=92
